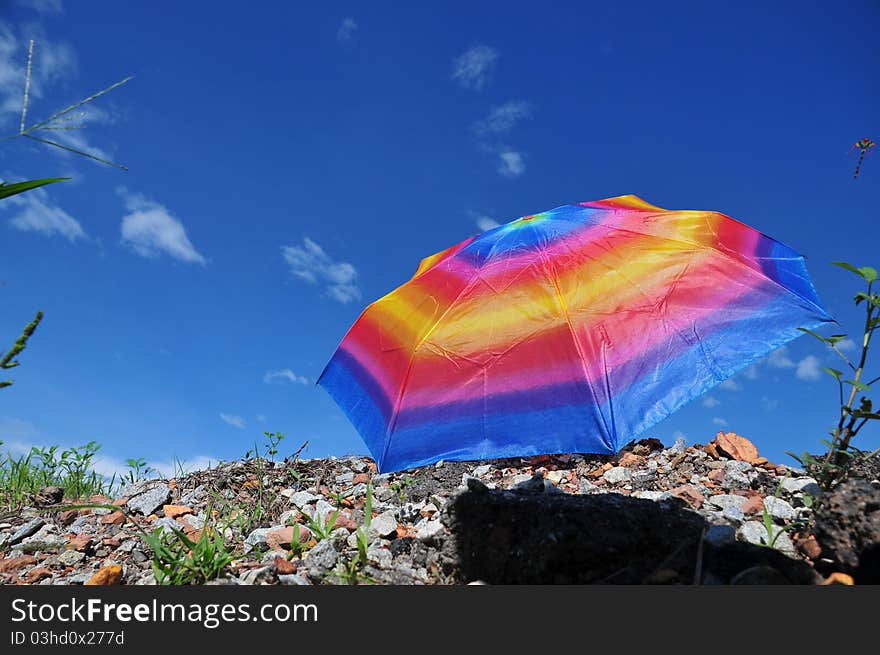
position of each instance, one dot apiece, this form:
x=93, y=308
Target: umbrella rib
x=395, y=413
x=559, y=299
x=735, y=259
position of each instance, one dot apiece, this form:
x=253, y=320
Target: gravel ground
x=296, y=522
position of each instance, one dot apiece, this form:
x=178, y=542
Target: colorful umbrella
x=573, y=330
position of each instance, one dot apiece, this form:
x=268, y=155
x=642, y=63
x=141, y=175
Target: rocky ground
x=656, y=515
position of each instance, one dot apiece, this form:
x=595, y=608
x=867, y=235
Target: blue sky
x=289, y=164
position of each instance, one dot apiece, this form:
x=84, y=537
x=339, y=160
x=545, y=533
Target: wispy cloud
x=233, y=420
x=35, y=211
x=150, y=230
x=808, y=368
x=52, y=61
x=482, y=221
x=719, y=421
x=473, y=68
x=309, y=262
x=346, y=30
x=49, y=7
x=847, y=345
x=751, y=373
x=711, y=401
x=261, y=418
x=503, y=118
x=284, y=374
x=16, y=428
x=108, y=466
x=730, y=384
x=780, y=358
x=511, y=163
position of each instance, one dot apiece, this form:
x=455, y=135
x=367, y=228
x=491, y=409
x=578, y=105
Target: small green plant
x=855, y=411
x=296, y=545
x=400, y=486
x=322, y=527
x=23, y=477
x=773, y=532
x=351, y=572
x=138, y=470
x=178, y=560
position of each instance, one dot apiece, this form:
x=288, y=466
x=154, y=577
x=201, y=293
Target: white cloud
x=234, y=421
x=486, y=223
x=16, y=428
x=808, y=368
x=309, y=262
x=35, y=212
x=482, y=221
x=711, y=401
x=107, y=466
x=751, y=373
x=50, y=7
x=261, y=418
x=779, y=358
x=730, y=385
x=847, y=345
x=284, y=374
x=52, y=61
x=346, y=29
x=511, y=163
x=719, y=421
x=678, y=434
x=150, y=230
x=473, y=68
x=504, y=118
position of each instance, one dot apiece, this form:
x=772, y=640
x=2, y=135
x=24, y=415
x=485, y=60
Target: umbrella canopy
x=572, y=330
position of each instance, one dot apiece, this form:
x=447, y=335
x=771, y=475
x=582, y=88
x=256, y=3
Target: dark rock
x=599, y=538
x=49, y=496
x=848, y=530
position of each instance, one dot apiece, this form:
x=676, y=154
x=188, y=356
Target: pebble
x=45, y=540
x=168, y=526
x=719, y=535
x=801, y=485
x=383, y=525
x=723, y=501
x=380, y=557
x=25, y=531
x=257, y=540
x=754, y=532
x=482, y=470
x=428, y=529
x=71, y=557
x=151, y=500
x=321, y=559
x=294, y=579
x=779, y=509
x=617, y=474
x=302, y=498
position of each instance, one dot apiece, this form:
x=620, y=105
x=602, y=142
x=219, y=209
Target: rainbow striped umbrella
x=572, y=330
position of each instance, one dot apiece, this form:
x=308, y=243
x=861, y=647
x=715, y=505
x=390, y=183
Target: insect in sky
x=863, y=145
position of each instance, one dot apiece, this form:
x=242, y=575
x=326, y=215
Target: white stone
x=801, y=485
x=427, y=529
x=383, y=525
x=302, y=498
x=617, y=474
x=779, y=509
